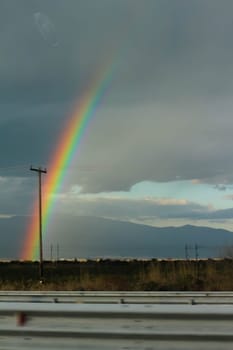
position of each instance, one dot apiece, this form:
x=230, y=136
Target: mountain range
x=91, y=237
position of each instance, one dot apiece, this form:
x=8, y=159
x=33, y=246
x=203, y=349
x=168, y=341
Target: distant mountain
x=89, y=237
x=92, y=237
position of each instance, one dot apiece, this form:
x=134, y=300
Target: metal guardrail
x=115, y=326
x=118, y=297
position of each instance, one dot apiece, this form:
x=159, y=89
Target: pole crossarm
x=39, y=170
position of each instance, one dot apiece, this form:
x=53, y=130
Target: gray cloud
x=220, y=187
x=16, y=195
x=131, y=209
x=168, y=108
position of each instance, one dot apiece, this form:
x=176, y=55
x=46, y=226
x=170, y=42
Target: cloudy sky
x=159, y=149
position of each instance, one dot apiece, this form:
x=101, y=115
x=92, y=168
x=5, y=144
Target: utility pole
x=40, y=171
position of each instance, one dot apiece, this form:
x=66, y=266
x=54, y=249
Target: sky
x=158, y=150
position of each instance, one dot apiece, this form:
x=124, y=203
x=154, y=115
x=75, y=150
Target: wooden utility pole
x=40, y=171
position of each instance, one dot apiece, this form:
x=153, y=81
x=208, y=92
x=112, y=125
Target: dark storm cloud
x=16, y=194
x=28, y=134
x=168, y=110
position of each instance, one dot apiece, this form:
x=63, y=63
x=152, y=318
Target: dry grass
x=116, y=275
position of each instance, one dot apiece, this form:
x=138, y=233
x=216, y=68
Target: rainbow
x=66, y=149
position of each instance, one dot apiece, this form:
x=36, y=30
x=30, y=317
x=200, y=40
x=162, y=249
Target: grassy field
x=133, y=275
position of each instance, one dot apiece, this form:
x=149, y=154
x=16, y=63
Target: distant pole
x=196, y=252
x=40, y=171
x=186, y=252
x=197, y=260
x=57, y=252
x=51, y=252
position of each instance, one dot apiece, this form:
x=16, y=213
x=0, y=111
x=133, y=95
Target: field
x=116, y=275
